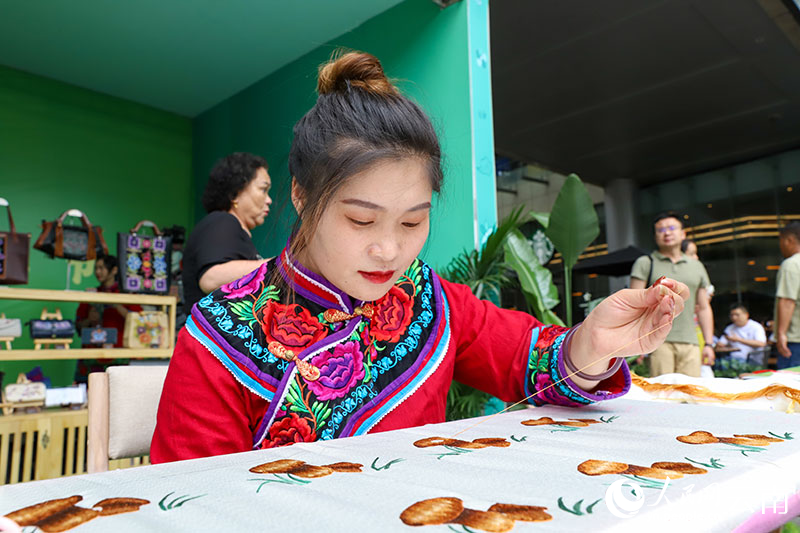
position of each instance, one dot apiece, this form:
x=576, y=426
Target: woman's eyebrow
x=370, y=205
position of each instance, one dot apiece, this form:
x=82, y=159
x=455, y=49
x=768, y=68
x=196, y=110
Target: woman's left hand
x=629, y=322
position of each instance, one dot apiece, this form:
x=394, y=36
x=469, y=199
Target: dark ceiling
x=644, y=89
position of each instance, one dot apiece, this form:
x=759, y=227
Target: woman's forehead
x=388, y=184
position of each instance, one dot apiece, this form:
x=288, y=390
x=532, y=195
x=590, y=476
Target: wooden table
x=540, y=460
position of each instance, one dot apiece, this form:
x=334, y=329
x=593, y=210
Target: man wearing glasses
x=681, y=351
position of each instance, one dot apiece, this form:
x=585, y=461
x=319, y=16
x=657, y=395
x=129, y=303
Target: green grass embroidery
x=565, y=428
x=713, y=463
x=610, y=419
x=453, y=451
x=576, y=508
x=521, y=439
x=785, y=436
x=645, y=482
x=177, y=502
x=387, y=465
x=288, y=480
x=745, y=449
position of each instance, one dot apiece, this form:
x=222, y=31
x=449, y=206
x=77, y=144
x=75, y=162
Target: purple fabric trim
x=280, y=390
x=769, y=519
x=310, y=295
x=598, y=395
x=397, y=382
x=234, y=354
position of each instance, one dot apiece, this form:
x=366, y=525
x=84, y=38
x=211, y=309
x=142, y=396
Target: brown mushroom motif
x=499, y=518
x=659, y=470
x=63, y=514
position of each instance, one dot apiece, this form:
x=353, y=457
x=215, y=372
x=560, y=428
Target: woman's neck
x=241, y=223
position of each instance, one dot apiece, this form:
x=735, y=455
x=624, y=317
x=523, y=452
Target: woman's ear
x=298, y=195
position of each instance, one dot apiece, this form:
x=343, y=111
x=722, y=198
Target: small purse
x=144, y=260
x=52, y=329
x=81, y=243
x=14, y=253
x=145, y=329
x=10, y=327
x=98, y=335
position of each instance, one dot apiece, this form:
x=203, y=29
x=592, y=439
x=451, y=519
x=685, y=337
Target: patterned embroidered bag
x=14, y=252
x=147, y=329
x=81, y=243
x=144, y=260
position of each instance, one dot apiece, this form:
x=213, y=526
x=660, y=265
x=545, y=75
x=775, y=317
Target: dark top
x=216, y=239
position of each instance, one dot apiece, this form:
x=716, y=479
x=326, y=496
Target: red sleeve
x=203, y=410
x=492, y=344
x=82, y=312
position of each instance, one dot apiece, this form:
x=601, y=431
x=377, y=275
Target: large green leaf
x=573, y=223
x=541, y=218
x=536, y=280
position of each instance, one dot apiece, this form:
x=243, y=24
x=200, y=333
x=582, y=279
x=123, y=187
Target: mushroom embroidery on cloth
x=304, y=470
x=659, y=470
x=498, y=518
x=62, y=514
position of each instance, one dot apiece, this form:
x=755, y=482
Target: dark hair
x=359, y=120
x=668, y=214
x=793, y=229
x=109, y=261
x=738, y=305
x=228, y=178
x=685, y=243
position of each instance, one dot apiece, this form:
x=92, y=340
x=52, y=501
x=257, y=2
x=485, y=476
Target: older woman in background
x=219, y=249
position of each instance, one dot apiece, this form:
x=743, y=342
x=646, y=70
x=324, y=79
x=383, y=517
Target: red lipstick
x=376, y=276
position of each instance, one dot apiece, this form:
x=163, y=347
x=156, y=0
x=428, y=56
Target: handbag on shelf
x=10, y=327
x=98, y=335
x=81, y=243
x=14, y=252
x=52, y=328
x=144, y=260
x=145, y=329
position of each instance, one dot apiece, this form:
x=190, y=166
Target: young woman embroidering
x=346, y=331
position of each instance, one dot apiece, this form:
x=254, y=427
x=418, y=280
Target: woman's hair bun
x=354, y=69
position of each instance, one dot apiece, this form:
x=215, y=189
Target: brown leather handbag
x=81, y=243
x=14, y=253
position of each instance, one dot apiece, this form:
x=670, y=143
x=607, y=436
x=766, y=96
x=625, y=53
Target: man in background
x=745, y=335
x=681, y=351
x=787, y=298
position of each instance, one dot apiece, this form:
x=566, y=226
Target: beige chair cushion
x=133, y=395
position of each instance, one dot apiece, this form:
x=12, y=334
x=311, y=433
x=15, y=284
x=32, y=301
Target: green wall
x=422, y=46
x=64, y=147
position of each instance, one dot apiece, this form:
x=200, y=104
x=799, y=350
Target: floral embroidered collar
x=325, y=357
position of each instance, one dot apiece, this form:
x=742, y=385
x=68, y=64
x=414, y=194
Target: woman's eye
x=360, y=222
x=411, y=224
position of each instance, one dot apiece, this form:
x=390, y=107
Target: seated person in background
x=219, y=249
x=746, y=335
x=102, y=315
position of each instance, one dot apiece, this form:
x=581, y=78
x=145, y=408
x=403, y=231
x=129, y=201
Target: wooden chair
x=123, y=402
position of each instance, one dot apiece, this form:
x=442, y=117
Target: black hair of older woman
x=228, y=178
x=359, y=120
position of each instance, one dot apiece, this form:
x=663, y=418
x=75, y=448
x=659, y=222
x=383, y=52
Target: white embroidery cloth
x=752, y=487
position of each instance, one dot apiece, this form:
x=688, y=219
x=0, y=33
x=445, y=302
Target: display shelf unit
x=165, y=303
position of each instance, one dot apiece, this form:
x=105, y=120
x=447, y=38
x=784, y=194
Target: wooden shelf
x=11, y=293
x=85, y=353
x=167, y=303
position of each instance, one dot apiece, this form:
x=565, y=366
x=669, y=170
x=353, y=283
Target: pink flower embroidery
x=339, y=371
x=243, y=286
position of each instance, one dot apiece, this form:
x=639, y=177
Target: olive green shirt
x=686, y=270
x=789, y=288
